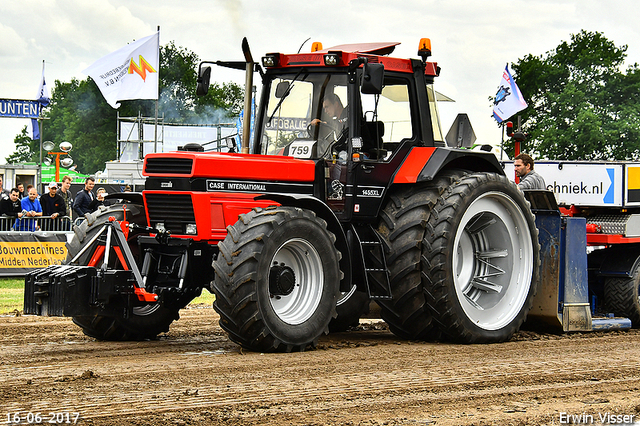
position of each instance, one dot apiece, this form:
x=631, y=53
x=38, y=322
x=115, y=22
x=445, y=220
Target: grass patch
x=12, y=296
x=205, y=298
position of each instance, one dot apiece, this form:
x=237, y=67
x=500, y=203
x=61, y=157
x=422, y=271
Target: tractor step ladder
x=376, y=274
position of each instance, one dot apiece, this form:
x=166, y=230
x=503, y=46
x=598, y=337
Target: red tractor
x=347, y=194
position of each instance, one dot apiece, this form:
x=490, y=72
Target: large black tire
x=350, y=307
x=621, y=296
x=482, y=251
x=94, y=221
x=402, y=228
x=277, y=279
x=148, y=320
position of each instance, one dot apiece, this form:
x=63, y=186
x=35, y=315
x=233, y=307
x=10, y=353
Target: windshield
x=305, y=112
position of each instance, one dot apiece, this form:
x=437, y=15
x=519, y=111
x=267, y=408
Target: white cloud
x=13, y=45
x=471, y=40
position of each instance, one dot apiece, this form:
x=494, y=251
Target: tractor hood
x=229, y=166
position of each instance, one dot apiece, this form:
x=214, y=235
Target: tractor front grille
x=174, y=210
x=169, y=166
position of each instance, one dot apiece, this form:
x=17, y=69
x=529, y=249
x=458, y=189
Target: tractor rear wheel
x=482, y=249
x=147, y=319
x=277, y=279
x=402, y=228
x=621, y=296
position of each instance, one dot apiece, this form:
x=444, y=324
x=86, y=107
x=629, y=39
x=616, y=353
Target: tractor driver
x=333, y=123
x=332, y=132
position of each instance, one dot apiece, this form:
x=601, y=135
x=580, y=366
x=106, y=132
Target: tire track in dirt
x=360, y=375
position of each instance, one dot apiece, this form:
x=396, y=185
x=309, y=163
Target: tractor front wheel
x=147, y=320
x=277, y=279
x=351, y=306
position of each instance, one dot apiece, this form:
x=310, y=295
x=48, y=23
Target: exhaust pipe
x=248, y=92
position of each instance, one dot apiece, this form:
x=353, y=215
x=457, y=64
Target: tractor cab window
x=434, y=97
x=387, y=119
x=305, y=115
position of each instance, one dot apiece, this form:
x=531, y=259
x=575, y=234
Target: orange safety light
x=424, y=50
x=316, y=46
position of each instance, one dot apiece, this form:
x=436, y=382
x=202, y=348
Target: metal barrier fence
x=42, y=223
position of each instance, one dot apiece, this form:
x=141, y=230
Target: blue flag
x=44, y=100
x=508, y=100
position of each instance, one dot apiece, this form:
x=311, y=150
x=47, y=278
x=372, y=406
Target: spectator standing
x=84, y=197
x=31, y=209
x=52, y=203
x=65, y=193
x=529, y=179
x=99, y=201
x=5, y=194
x=20, y=187
x=10, y=208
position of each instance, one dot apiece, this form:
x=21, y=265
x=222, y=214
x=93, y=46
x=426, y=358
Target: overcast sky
x=471, y=40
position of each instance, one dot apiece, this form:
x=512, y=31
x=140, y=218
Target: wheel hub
x=282, y=280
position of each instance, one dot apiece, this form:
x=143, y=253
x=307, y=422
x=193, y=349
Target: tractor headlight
x=270, y=60
x=331, y=59
x=160, y=227
x=191, y=229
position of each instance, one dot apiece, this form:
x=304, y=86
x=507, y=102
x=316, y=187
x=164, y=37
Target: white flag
x=128, y=73
x=508, y=99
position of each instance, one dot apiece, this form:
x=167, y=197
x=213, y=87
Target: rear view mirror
x=281, y=89
x=372, y=79
x=204, y=76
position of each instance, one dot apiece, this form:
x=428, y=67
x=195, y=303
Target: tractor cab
x=352, y=110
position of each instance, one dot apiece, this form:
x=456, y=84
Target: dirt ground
x=194, y=375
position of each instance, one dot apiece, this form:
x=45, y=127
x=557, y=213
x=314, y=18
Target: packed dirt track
x=194, y=375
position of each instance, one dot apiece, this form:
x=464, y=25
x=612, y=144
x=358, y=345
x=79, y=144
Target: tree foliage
x=582, y=106
x=27, y=150
x=79, y=114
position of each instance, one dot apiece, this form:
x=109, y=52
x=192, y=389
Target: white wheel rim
x=298, y=306
x=493, y=261
x=345, y=295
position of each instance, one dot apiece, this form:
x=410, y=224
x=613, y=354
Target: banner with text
x=24, y=252
x=581, y=183
x=19, y=108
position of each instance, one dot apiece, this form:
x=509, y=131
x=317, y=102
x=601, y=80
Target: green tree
x=178, y=102
x=27, y=150
x=79, y=114
x=581, y=105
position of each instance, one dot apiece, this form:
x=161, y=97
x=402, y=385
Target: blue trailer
x=588, y=280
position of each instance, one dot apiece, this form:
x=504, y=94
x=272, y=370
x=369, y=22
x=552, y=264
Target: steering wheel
x=320, y=125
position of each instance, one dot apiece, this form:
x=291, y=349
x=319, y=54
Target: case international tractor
x=347, y=194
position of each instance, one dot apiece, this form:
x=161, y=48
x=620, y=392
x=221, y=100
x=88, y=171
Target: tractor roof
x=370, y=48
x=376, y=52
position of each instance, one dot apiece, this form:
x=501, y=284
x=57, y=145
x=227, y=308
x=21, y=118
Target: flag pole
x=155, y=143
x=501, y=141
x=40, y=128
